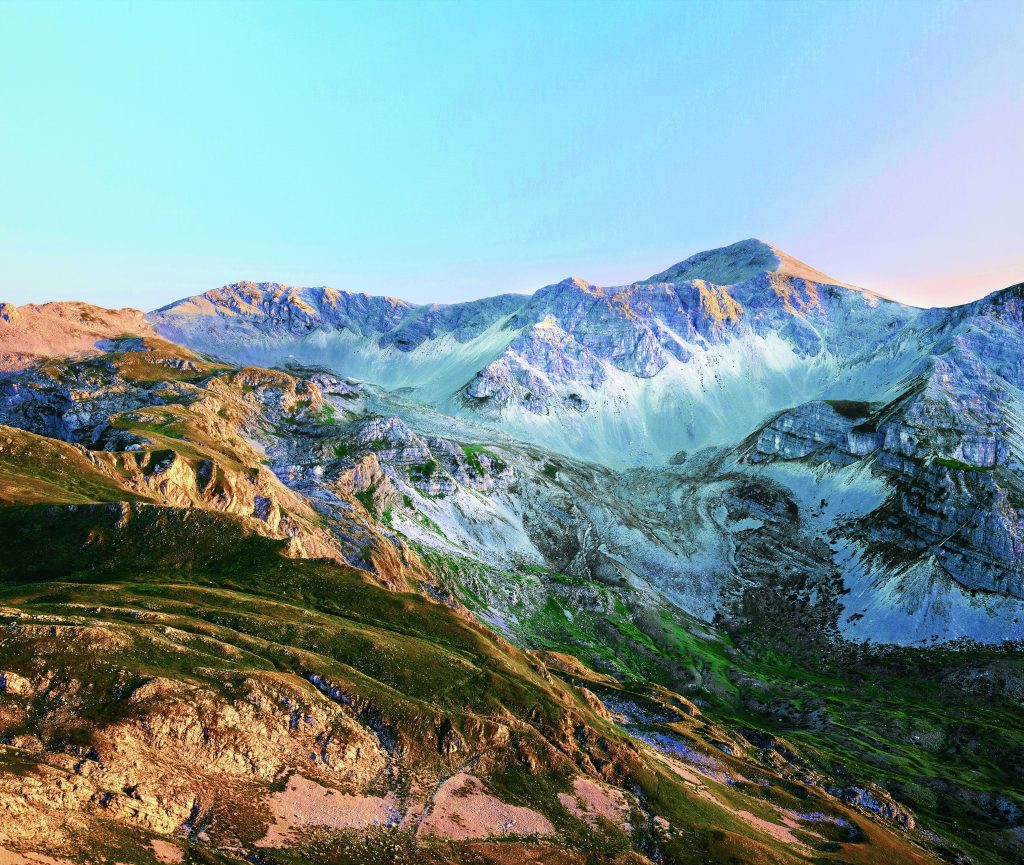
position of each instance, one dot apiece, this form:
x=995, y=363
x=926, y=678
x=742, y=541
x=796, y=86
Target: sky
x=440, y=151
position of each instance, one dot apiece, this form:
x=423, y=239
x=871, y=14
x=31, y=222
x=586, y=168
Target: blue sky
x=441, y=151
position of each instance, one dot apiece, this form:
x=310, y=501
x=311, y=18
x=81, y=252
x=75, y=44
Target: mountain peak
x=740, y=261
x=577, y=282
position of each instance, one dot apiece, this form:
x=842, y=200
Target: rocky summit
x=725, y=565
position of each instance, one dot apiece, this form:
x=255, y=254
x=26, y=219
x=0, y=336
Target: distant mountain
x=31, y=332
x=628, y=375
x=734, y=345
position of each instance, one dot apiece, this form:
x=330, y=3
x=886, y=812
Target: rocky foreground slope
x=314, y=614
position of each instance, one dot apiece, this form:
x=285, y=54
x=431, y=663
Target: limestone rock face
x=944, y=437
x=811, y=428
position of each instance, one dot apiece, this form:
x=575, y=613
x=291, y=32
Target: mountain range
x=723, y=565
x=787, y=374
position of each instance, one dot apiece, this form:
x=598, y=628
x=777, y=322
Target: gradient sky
x=442, y=151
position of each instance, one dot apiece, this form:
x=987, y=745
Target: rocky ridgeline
x=555, y=349
x=562, y=347
x=273, y=309
x=170, y=428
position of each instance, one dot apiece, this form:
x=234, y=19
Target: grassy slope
x=896, y=717
x=36, y=469
x=412, y=660
x=903, y=719
x=900, y=718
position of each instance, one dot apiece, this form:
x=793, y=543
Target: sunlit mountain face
x=723, y=565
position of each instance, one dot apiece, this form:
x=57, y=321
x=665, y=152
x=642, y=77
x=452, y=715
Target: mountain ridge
x=60, y=328
x=719, y=266
x=487, y=356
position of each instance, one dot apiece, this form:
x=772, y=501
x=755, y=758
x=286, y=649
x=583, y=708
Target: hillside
x=31, y=332
x=318, y=584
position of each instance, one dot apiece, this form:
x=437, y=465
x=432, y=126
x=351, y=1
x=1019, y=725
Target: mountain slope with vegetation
x=302, y=592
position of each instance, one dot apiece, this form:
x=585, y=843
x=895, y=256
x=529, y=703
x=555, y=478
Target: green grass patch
x=960, y=466
x=365, y=498
x=472, y=454
x=423, y=471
